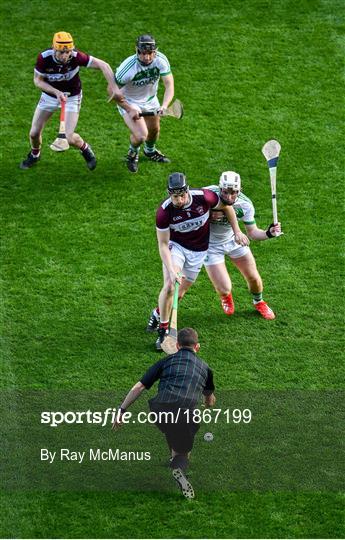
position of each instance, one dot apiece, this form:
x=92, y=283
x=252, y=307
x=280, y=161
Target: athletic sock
x=150, y=147
x=84, y=147
x=226, y=296
x=134, y=149
x=164, y=325
x=257, y=297
x=35, y=152
x=156, y=311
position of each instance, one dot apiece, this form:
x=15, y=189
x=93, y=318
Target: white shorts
x=148, y=106
x=52, y=104
x=216, y=252
x=190, y=262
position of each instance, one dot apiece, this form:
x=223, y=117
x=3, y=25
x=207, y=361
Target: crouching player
x=222, y=242
x=57, y=76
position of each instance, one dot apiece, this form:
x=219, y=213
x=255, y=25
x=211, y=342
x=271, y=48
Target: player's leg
x=154, y=320
x=138, y=135
x=165, y=301
x=221, y=281
x=247, y=266
x=74, y=139
x=218, y=274
x=194, y=261
x=155, y=316
x=39, y=120
x=185, y=285
x=181, y=441
x=71, y=121
x=220, y=278
x=150, y=150
x=167, y=293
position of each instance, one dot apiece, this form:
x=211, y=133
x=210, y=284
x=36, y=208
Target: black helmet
x=177, y=183
x=146, y=43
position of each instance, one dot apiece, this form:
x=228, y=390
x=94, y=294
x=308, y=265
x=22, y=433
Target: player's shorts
x=178, y=427
x=216, y=252
x=189, y=261
x=147, y=106
x=52, y=104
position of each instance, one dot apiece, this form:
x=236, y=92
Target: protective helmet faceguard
x=177, y=184
x=146, y=43
x=229, y=181
x=63, y=41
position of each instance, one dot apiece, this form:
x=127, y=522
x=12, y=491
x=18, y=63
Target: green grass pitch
x=80, y=270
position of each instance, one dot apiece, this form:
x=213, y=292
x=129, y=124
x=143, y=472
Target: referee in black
x=183, y=379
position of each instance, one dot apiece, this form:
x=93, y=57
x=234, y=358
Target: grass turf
x=80, y=268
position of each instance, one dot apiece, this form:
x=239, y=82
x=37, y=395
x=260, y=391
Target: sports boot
x=153, y=323
x=132, y=161
x=29, y=162
x=228, y=304
x=89, y=157
x=162, y=333
x=156, y=155
x=264, y=310
x=183, y=482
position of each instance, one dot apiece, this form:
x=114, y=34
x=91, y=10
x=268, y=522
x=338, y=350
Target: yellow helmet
x=62, y=41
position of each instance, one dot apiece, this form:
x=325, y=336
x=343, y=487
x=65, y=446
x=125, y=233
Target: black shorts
x=178, y=428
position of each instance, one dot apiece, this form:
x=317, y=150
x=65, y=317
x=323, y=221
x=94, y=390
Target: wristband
x=268, y=232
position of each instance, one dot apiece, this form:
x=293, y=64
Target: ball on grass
x=208, y=437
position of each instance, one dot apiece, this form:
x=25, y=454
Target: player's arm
x=210, y=400
x=43, y=85
x=163, y=238
x=145, y=383
x=105, y=68
x=230, y=213
x=131, y=397
x=112, y=88
x=168, y=81
x=255, y=233
x=117, y=96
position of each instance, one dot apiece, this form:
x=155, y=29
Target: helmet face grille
x=230, y=180
x=63, y=40
x=146, y=43
x=177, y=183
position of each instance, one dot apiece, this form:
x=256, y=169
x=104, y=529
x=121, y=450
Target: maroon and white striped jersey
x=63, y=77
x=189, y=226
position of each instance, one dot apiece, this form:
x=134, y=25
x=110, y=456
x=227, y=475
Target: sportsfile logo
x=110, y=416
x=107, y=417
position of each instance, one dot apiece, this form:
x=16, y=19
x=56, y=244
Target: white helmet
x=230, y=180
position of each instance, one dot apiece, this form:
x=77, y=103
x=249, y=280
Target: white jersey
x=141, y=82
x=220, y=229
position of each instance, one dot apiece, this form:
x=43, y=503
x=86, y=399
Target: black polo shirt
x=183, y=378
